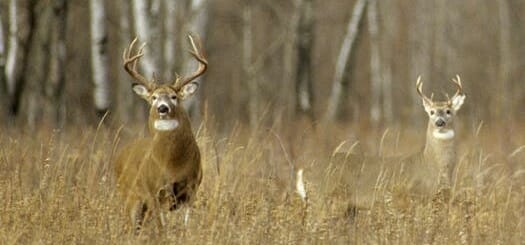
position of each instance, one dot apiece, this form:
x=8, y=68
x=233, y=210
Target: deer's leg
x=138, y=214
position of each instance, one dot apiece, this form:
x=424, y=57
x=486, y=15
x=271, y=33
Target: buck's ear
x=188, y=90
x=141, y=90
x=457, y=101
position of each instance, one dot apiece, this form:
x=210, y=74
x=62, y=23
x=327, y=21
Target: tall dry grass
x=57, y=187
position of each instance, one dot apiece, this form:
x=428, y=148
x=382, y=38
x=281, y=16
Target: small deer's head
x=441, y=113
x=165, y=99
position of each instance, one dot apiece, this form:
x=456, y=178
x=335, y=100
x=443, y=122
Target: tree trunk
x=170, y=37
x=21, y=22
x=3, y=85
x=421, y=42
x=305, y=37
x=37, y=64
x=505, y=62
x=341, y=74
x=197, y=24
x=375, y=64
x=247, y=57
x=99, y=59
x=143, y=29
x=12, y=52
x=55, y=108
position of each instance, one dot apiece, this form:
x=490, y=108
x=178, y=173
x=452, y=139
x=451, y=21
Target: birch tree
x=3, y=85
x=144, y=30
x=99, y=59
x=341, y=70
x=505, y=62
x=305, y=34
x=197, y=24
x=375, y=63
x=247, y=57
x=170, y=37
x=124, y=94
x=55, y=107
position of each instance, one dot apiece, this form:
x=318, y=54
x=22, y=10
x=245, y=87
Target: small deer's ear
x=141, y=90
x=188, y=90
x=457, y=101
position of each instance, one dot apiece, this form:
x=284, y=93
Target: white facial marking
x=165, y=125
x=443, y=135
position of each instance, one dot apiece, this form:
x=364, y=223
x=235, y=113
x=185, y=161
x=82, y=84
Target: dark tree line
x=322, y=61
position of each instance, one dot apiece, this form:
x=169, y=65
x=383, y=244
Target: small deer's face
x=441, y=113
x=165, y=103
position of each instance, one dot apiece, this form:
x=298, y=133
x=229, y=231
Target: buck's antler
x=203, y=65
x=457, y=82
x=419, y=88
x=130, y=63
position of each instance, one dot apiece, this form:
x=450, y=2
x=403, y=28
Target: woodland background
x=326, y=61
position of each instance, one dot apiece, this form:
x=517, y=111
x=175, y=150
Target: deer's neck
x=172, y=140
x=440, y=143
x=440, y=150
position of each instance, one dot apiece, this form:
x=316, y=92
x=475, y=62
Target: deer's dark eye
x=154, y=97
x=432, y=112
x=173, y=97
x=448, y=112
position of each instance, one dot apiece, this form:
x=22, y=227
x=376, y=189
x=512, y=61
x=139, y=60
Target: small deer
x=164, y=168
x=423, y=173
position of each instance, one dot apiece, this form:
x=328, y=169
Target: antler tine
x=419, y=88
x=130, y=63
x=198, y=54
x=457, y=82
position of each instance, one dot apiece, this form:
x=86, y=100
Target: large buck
x=424, y=173
x=163, y=169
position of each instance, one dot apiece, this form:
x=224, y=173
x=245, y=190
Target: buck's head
x=441, y=114
x=164, y=99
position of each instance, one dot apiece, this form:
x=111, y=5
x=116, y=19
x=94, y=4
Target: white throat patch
x=445, y=135
x=165, y=125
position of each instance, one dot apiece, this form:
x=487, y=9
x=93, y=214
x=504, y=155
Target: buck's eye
x=154, y=97
x=448, y=112
x=173, y=97
x=432, y=112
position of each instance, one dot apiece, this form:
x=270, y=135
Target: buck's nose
x=163, y=109
x=440, y=122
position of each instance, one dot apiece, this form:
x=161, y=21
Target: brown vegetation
x=57, y=186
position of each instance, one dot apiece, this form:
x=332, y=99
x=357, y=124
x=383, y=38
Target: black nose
x=440, y=123
x=163, y=109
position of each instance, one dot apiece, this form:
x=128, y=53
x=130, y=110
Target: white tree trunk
x=143, y=29
x=198, y=24
x=336, y=94
x=247, y=59
x=375, y=63
x=170, y=36
x=13, y=48
x=99, y=59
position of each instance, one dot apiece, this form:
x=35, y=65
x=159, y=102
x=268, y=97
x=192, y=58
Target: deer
x=424, y=173
x=161, y=171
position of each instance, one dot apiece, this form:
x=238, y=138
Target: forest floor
x=57, y=187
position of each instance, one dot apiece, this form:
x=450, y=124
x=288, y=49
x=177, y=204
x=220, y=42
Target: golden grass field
x=57, y=187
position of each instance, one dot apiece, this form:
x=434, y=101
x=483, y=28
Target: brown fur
x=150, y=170
x=163, y=170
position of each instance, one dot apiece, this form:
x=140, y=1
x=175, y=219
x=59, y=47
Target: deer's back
x=365, y=178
